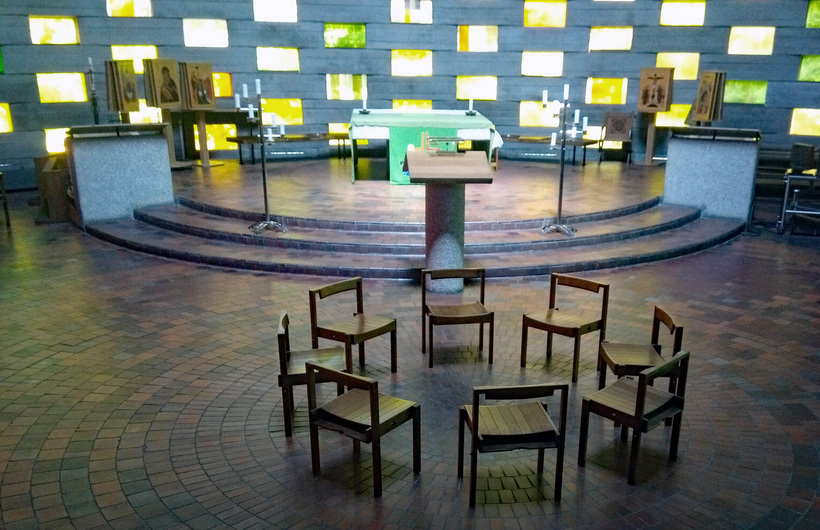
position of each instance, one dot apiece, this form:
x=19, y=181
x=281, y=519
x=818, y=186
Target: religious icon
x=655, y=90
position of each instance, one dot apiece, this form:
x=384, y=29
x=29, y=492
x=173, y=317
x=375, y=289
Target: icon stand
x=559, y=226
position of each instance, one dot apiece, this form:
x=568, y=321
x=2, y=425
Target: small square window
x=411, y=11
x=685, y=64
x=615, y=38
x=275, y=11
x=477, y=87
x=205, y=32
x=478, y=38
x=223, y=84
x=805, y=122
x=61, y=88
x=345, y=35
x=277, y=59
x=751, y=40
x=675, y=117
x=55, y=140
x=682, y=13
x=217, y=134
x=129, y=8
x=542, y=64
x=288, y=111
x=346, y=87
x=545, y=13
x=54, y=30
x=412, y=104
x=809, y=68
x=411, y=63
x=748, y=92
x=533, y=114
x=813, y=14
x=135, y=53
x=5, y=118
x=146, y=114
x=606, y=91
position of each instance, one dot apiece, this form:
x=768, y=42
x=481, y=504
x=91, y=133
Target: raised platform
x=375, y=229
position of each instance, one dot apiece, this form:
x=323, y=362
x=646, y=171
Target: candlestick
x=236, y=100
x=544, y=98
x=90, y=64
x=566, y=92
x=244, y=90
x=552, y=139
x=471, y=104
x=577, y=116
x=258, y=87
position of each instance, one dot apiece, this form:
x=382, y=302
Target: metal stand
x=95, y=107
x=559, y=226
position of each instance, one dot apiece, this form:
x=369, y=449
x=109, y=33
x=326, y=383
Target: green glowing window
x=615, y=38
x=606, y=91
x=205, y=32
x=223, y=84
x=813, y=15
x=217, y=134
x=129, y=8
x=287, y=110
x=675, y=117
x=344, y=35
x=685, y=64
x=346, y=87
x=1, y=62
x=749, y=92
x=545, y=13
x=411, y=11
x=54, y=30
x=413, y=104
x=478, y=38
x=275, y=11
x=477, y=87
x=55, y=140
x=146, y=114
x=751, y=40
x=809, y=68
x=805, y=122
x=411, y=63
x=542, y=64
x=5, y=118
x=533, y=114
x=135, y=53
x=61, y=88
x=277, y=59
x=682, y=13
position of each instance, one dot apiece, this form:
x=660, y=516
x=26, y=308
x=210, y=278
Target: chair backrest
x=675, y=368
x=618, y=126
x=329, y=290
x=350, y=381
x=662, y=317
x=441, y=274
x=592, y=286
x=803, y=157
x=283, y=338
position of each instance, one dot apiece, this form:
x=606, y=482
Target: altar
x=401, y=128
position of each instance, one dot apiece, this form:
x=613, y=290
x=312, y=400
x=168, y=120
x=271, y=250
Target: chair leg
x=492, y=327
x=377, y=467
x=576, y=359
x=540, y=463
x=287, y=403
x=314, y=448
x=559, y=469
x=416, y=439
x=624, y=431
x=361, y=354
x=473, y=473
x=549, y=345
x=633, y=455
x=462, y=422
x=602, y=368
x=673, y=444
x=481, y=337
x=423, y=333
x=393, y=352
x=524, y=329
x=582, y=436
x=348, y=357
x=430, y=344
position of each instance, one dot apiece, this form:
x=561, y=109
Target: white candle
x=269, y=134
x=258, y=87
x=552, y=138
x=244, y=90
x=236, y=100
x=250, y=110
x=471, y=104
x=545, y=98
x=566, y=92
x=90, y=64
x=282, y=129
x=585, y=123
x=364, y=98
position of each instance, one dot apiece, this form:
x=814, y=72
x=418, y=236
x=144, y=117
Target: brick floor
x=137, y=392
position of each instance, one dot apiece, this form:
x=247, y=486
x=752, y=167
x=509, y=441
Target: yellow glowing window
x=5, y=118
x=61, y=88
x=54, y=30
x=478, y=38
x=676, y=117
x=413, y=104
x=601, y=38
x=340, y=128
x=146, y=114
x=274, y=11
x=748, y=92
x=288, y=111
x=594, y=132
x=217, y=134
x=542, y=64
x=809, y=68
x=805, y=122
x=223, y=84
x=685, y=64
x=346, y=87
x=137, y=53
x=277, y=59
x=55, y=140
x=545, y=13
x=345, y=35
x=205, y=32
x=606, y=90
x=411, y=63
x=477, y=87
x=129, y=8
x=533, y=114
x=813, y=15
x=411, y=11
x=683, y=13
x=751, y=40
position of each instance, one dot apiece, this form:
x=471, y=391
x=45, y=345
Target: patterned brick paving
x=137, y=392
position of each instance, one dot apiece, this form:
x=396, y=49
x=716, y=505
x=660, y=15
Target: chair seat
x=456, y=314
x=329, y=357
x=564, y=323
x=359, y=327
x=630, y=359
x=513, y=426
x=620, y=397
x=352, y=409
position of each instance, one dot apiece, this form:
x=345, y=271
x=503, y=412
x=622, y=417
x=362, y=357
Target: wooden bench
x=252, y=141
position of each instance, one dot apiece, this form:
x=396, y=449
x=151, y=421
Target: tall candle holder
x=95, y=107
x=256, y=120
x=558, y=226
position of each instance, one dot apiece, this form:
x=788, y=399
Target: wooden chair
x=572, y=324
x=631, y=359
x=361, y=413
x=292, y=367
x=519, y=425
x=638, y=405
x=445, y=314
x=350, y=330
x=4, y=198
x=617, y=128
